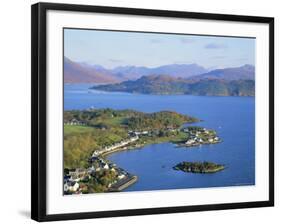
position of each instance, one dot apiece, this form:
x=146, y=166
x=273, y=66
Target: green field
x=77, y=129
x=81, y=141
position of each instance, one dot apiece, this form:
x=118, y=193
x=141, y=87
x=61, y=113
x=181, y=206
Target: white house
x=71, y=186
x=74, y=187
x=121, y=176
x=106, y=166
x=91, y=169
x=77, y=174
x=189, y=142
x=65, y=187
x=211, y=140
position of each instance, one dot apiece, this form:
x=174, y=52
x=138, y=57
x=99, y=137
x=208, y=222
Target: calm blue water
x=232, y=117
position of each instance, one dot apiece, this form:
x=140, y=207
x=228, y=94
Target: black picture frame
x=39, y=122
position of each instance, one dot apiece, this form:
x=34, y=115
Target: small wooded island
x=199, y=167
x=90, y=135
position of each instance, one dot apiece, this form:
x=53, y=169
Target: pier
x=123, y=183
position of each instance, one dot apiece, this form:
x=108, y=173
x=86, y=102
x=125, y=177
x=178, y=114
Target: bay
x=232, y=117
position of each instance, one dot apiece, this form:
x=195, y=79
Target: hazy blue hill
x=243, y=72
x=130, y=72
x=80, y=73
x=180, y=70
x=175, y=70
x=165, y=84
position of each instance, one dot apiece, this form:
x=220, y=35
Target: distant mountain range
x=167, y=79
x=164, y=84
x=75, y=72
x=243, y=72
x=80, y=73
x=175, y=70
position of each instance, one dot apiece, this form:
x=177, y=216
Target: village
x=75, y=181
x=121, y=180
x=198, y=136
x=116, y=146
x=102, y=175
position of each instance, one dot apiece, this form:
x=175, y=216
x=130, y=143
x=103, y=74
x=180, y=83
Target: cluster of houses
x=74, y=122
x=151, y=133
x=70, y=186
x=133, y=136
x=137, y=133
x=200, y=136
x=99, y=163
x=74, y=177
x=115, y=146
x=71, y=180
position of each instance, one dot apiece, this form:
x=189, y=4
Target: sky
x=111, y=49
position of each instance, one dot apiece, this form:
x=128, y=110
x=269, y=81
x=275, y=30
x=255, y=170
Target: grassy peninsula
x=94, y=130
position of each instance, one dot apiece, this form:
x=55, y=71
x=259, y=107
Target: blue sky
x=112, y=49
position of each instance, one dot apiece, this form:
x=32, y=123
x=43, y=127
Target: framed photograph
x=140, y=111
